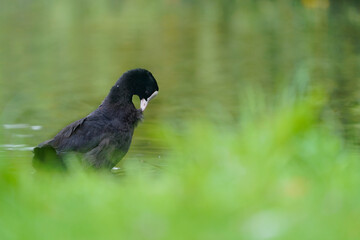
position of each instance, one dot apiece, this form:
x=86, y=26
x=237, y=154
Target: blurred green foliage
x=251, y=136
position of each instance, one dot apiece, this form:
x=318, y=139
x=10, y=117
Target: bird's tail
x=46, y=158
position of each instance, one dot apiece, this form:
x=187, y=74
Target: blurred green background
x=254, y=133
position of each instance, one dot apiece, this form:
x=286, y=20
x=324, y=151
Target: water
x=59, y=59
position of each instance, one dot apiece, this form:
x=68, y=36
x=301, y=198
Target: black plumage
x=104, y=136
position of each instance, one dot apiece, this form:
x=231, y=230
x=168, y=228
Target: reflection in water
x=58, y=64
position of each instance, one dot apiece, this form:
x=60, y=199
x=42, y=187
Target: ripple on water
x=16, y=147
x=22, y=125
x=19, y=147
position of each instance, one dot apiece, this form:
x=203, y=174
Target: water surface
x=59, y=59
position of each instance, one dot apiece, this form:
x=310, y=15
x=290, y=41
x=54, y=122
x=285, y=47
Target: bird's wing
x=66, y=132
x=70, y=129
x=46, y=153
x=81, y=135
x=102, y=142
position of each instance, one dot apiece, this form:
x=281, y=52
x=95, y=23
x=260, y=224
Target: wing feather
x=70, y=129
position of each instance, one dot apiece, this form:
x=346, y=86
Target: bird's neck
x=118, y=102
x=120, y=95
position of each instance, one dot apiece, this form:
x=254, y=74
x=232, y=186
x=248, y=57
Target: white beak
x=144, y=102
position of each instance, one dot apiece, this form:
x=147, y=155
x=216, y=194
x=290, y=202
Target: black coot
x=104, y=136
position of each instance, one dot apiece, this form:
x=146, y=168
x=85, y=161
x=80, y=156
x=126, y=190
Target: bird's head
x=138, y=82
